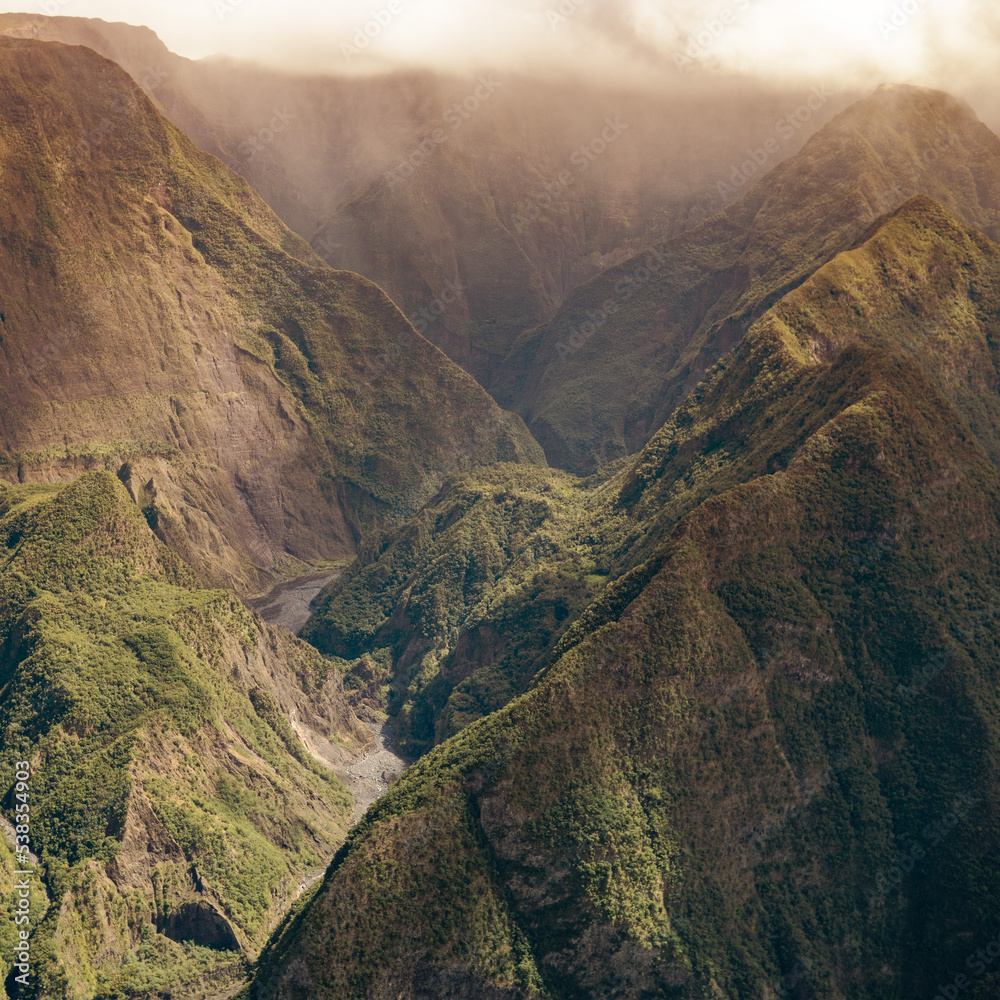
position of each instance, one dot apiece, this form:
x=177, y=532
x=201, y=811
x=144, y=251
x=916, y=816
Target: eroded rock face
x=201, y=924
x=160, y=323
x=477, y=223
x=162, y=883
x=175, y=804
x=152, y=863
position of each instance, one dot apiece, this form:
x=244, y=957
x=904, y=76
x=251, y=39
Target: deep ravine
x=367, y=775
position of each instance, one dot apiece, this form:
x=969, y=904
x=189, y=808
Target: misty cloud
x=954, y=45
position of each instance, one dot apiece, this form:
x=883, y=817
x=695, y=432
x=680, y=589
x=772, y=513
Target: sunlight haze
x=952, y=45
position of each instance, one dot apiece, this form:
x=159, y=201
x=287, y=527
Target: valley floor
x=289, y=602
x=368, y=775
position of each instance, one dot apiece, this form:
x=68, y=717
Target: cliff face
x=534, y=192
x=449, y=617
x=625, y=349
x=478, y=204
x=161, y=323
x=766, y=752
x=168, y=791
x=719, y=719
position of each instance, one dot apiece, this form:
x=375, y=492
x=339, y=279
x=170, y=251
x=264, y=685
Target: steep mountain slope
x=172, y=808
x=436, y=242
x=923, y=287
x=535, y=190
x=9, y=935
x=477, y=202
x=624, y=350
x=448, y=617
x=764, y=760
x=160, y=322
x=224, y=106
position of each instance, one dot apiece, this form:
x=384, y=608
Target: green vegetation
x=449, y=617
x=786, y=684
x=166, y=794
x=157, y=964
x=723, y=714
x=37, y=902
x=263, y=409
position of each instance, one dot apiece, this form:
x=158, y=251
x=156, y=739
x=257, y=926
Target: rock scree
x=369, y=774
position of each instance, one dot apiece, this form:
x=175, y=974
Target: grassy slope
x=158, y=316
x=168, y=791
x=604, y=398
x=786, y=696
x=449, y=617
x=923, y=287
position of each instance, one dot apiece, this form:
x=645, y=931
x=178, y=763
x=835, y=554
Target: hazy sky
x=950, y=43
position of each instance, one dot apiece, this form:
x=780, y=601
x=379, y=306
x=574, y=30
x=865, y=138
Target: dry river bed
x=290, y=602
x=369, y=774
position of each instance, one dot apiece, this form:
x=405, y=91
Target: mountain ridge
x=379, y=175
x=719, y=717
x=705, y=787
x=240, y=412
x=154, y=717
x=592, y=395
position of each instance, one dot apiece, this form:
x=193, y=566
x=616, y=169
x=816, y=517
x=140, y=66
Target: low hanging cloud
x=949, y=43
